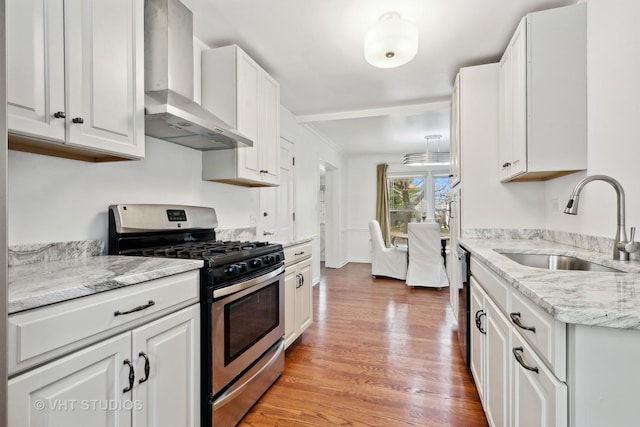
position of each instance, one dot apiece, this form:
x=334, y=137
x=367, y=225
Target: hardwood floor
x=377, y=354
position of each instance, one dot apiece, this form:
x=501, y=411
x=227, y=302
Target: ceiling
x=314, y=49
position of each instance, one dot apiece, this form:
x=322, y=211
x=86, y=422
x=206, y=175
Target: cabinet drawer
x=546, y=335
x=37, y=336
x=496, y=287
x=296, y=253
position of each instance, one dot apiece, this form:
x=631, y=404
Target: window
x=412, y=195
x=405, y=194
x=441, y=190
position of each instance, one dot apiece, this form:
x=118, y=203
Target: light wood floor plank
x=377, y=354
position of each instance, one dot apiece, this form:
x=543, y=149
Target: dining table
x=444, y=241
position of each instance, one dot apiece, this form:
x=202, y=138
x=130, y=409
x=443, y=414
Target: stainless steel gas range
x=242, y=300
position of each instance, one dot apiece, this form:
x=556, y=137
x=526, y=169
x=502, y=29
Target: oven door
x=247, y=320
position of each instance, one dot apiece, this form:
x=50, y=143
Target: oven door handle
x=229, y=395
x=222, y=292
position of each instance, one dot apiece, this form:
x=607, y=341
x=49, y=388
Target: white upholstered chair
x=387, y=262
x=426, y=266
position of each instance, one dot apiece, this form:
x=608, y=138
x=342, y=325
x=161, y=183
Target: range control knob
x=242, y=266
x=278, y=257
x=255, y=263
x=269, y=259
x=232, y=270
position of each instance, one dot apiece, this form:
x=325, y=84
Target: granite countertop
x=578, y=297
x=43, y=283
x=296, y=242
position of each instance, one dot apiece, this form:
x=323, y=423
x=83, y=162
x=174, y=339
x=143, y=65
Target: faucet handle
x=631, y=246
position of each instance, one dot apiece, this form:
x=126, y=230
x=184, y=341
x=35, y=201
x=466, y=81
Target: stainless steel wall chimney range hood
x=170, y=112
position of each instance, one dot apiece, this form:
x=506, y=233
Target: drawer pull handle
x=59, y=115
x=299, y=253
x=515, y=318
x=506, y=165
x=133, y=310
x=479, y=315
x=517, y=353
x=147, y=367
x=77, y=120
x=132, y=375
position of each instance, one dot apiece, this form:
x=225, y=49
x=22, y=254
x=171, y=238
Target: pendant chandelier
x=428, y=158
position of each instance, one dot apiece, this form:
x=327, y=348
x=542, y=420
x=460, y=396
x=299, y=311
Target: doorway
x=328, y=217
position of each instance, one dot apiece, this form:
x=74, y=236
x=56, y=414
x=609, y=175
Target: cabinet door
x=513, y=106
x=498, y=355
x=538, y=398
x=269, y=127
x=290, y=287
x=104, y=63
x=506, y=116
x=82, y=389
x=35, y=68
x=170, y=392
x=478, y=330
x=518, y=70
x=249, y=74
x=304, y=297
x=455, y=133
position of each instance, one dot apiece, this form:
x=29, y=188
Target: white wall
x=487, y=203
x=361, y=205
x=52, y=199
x=613, y=84
x=310, y=150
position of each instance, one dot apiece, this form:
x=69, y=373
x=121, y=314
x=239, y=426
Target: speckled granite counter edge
x=36, y=285
x=586, y=298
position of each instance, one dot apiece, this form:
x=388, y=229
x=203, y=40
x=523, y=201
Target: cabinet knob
x=506, y=164
x=78, y=120
x=59, y=115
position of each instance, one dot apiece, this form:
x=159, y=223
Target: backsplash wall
x=55, y=200
x=613, y=64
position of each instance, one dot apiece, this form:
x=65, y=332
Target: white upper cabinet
x=543, y=96
x=237, y=90
x=454, y=153
x=75, y=78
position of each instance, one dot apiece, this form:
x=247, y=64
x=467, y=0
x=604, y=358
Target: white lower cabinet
x=490, y=352
x=144, y=374
x=514, y=376
x=171, y=394
x=92, y=387
x=63, y=393
x=538, y=397
x=298, y=292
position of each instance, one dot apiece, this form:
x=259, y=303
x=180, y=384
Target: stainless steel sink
x=556, y=262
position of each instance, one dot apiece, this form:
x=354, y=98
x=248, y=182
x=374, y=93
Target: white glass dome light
x=392, y=42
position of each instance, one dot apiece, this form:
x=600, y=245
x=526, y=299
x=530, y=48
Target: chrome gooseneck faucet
x=622, y=247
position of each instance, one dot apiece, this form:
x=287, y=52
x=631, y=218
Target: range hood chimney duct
x=170, y=112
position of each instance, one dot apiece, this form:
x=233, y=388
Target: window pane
x=441, y=189
x=405, y=194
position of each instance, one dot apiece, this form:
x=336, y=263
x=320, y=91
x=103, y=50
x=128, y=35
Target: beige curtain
x=382, y=202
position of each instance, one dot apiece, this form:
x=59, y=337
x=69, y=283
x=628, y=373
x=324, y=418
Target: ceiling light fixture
x=428, y=158
x=391, y=42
